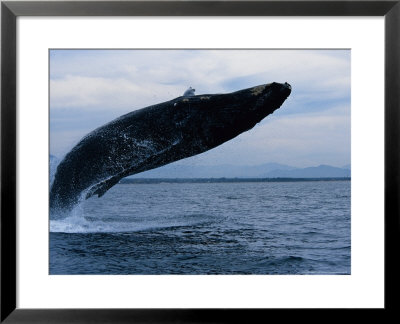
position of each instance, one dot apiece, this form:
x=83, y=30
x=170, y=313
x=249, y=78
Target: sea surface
x=208, y=228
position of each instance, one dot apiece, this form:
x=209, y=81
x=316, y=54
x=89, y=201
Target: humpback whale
x=151, y=137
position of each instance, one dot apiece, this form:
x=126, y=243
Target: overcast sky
x=88, y=88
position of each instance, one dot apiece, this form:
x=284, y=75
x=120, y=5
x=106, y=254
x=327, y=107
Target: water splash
x=76, y=222
x=53, y=164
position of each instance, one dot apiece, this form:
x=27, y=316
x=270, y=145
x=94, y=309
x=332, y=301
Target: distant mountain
x=217, y=171
x=322, y=171
x=268, y=170
x=347, y=166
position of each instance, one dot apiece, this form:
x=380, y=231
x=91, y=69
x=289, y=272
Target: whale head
x=215, y=119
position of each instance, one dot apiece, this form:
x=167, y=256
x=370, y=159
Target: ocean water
x=207, y=228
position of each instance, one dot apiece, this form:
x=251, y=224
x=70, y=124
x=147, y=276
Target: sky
x=89, y=88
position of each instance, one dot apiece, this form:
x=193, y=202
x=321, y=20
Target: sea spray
x=73, y=222
x=53, y=163
x=133, y=215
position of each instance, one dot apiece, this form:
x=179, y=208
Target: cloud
x=103, y=93
x=118, y=79
x=91, y=87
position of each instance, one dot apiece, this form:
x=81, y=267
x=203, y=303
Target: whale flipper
x=101, y=188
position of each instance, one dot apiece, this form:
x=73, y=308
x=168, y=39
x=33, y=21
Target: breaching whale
x=157, y=135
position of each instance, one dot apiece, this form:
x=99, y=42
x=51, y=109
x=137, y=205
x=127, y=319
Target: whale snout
x=286, y=89
x=282, y=89
x=278, y=90
x=272, y=97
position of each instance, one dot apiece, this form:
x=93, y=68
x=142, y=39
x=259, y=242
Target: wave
x=77, y=222
x=76, y=225
x=80, y=225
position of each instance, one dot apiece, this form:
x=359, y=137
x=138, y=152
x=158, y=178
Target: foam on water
x=77, y=222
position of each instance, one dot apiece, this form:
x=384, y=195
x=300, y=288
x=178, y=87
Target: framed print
x=209, y=205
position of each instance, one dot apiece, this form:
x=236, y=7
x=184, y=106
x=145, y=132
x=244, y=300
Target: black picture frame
x=10, y=10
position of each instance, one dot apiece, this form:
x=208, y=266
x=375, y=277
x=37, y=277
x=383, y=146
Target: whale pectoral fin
x=107, y=185
x=101, y=188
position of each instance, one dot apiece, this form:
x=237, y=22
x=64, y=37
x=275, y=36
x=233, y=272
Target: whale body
x=157, y=135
